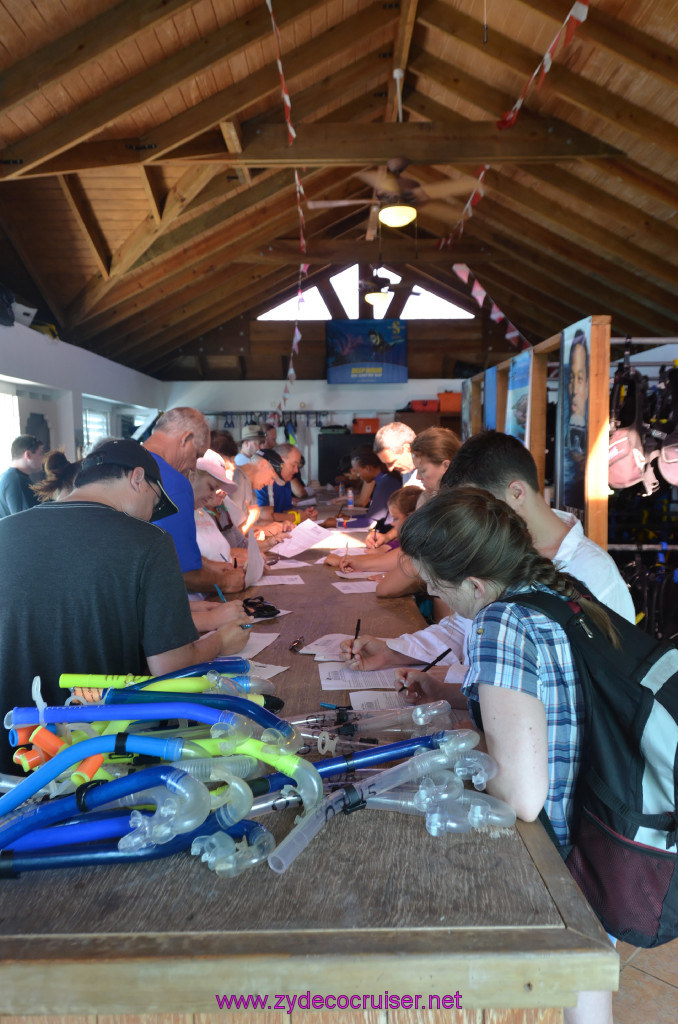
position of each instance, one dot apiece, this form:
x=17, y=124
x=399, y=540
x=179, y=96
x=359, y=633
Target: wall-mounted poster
x=366, y=351
x=466, y=408
x=490, y=399
x=518, y=397
x=573, y=417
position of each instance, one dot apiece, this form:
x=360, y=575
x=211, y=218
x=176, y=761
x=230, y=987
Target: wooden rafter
x=24, y=80
x=606, y=105
x=132, y=93
x=84, y=215
x=329, y=144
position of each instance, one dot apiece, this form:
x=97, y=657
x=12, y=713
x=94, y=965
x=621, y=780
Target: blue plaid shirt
x=521, y=649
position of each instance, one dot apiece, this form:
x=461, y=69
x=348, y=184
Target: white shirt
x=241, y=459
x=211, y=540
x=577, y=555
x=586, y=561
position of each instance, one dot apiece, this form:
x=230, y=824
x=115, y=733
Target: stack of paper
x=327, y=648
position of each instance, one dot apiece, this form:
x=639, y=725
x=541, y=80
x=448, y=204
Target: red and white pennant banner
x=299, y=188
x=512, y=334
x=578, y=14
x=287, y=103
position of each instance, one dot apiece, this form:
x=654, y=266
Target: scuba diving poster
x=518, y=397
x=366, y=351
x=573, y=417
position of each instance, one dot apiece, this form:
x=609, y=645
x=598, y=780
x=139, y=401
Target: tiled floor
x=648, y=985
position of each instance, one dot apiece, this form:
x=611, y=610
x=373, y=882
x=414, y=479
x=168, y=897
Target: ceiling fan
x=393, y=190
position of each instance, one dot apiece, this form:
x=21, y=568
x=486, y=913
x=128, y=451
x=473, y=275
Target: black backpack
x=623, y=852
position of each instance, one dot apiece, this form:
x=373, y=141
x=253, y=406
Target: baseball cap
x=253, y=432
x=272, y=456
x=213, y=463
x=131, y=454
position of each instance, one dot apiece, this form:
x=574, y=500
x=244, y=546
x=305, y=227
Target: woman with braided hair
x=476, y=554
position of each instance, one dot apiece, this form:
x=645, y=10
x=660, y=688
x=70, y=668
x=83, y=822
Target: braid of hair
x=542, y=570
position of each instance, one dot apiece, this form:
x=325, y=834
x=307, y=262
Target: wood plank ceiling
x=147, y=193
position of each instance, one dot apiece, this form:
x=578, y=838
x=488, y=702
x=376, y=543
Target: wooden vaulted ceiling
x=147, y=195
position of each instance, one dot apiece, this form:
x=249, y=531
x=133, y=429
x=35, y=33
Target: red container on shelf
x=365, y=425
x=450, y=401
x=425, y=405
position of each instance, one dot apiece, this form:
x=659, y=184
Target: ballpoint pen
x=430, y=665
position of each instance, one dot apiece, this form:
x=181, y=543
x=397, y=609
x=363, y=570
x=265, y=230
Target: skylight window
x=421, y=304
x=424, y=305
x=312, y=307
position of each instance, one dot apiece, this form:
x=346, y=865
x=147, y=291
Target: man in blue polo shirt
x=180, y=437
x=286, y=462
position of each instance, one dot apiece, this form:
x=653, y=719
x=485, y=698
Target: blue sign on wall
x=366, y=351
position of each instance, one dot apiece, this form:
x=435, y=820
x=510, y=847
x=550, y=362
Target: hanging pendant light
x=397, y=215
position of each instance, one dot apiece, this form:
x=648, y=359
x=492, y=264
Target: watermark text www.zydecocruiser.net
x=381, y=1001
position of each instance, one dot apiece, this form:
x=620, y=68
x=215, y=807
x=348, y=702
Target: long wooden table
x=373, y=905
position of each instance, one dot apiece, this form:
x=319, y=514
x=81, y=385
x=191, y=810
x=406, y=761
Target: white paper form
x=289, y=563
x=366, y=575
x=280, y=581
x=256, y=643
x=267, y=671
x=302, y=537
x=255, y=561
x=377, y=700
x=359, y=587
x=334, y=538
x=337, y=676
x=327, y=648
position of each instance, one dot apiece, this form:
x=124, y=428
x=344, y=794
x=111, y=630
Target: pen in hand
x=430, y=665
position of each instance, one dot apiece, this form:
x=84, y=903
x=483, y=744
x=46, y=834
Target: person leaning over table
x=502, y=465
x=242, y=504
x=111, y=598
x=285, y=460
x=393, y=578
x=180, y=437
x=392, y=444
x=522, y=684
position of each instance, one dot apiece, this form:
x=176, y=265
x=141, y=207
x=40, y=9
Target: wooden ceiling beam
x=201, y=184
x=137, y=247
x=394, y=250
x=581, y=256
x=164, y=277
x=331, y=144
x=622, y=169
x=369, y=72
x=135, y=320
x=82, y=211
x=582, y=92
x=231, y=134
x=154, y=191
x=528, y=253
x=97, y=113
x=353, y=33
x=608, y=244
x=647, y=53
x=639, y=226
x=401, y=53
x=211, y=314
x=28, y=77
x=366, y=73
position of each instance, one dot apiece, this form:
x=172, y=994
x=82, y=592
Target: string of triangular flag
x=576, y=16
x=299, y=188
x=478, y=293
